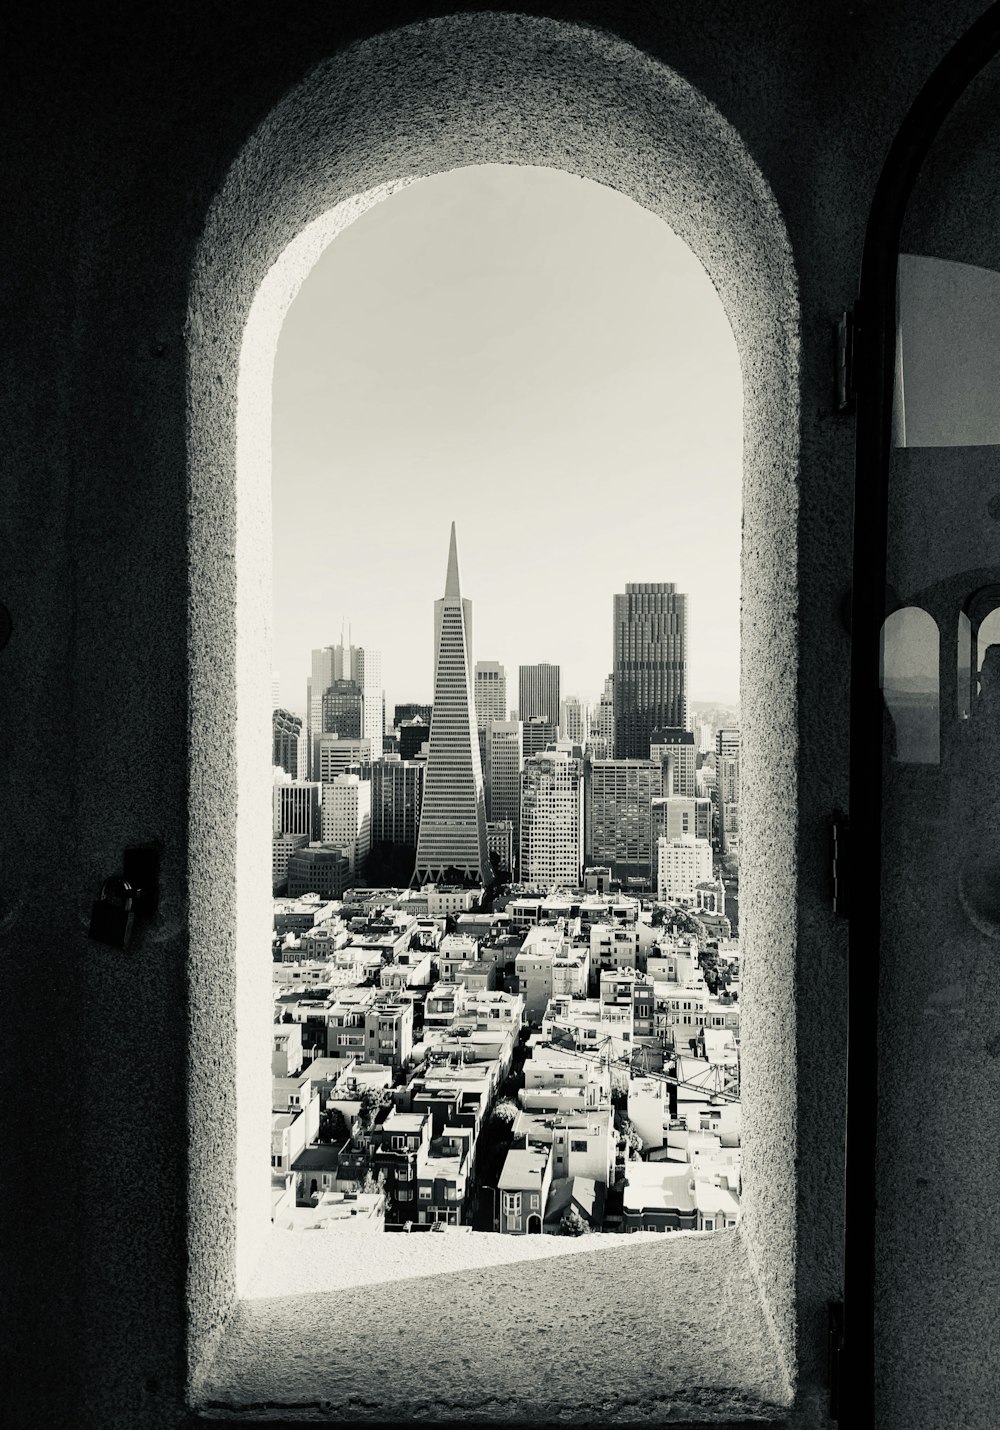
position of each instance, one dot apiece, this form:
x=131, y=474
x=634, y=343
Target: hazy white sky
x=540, y=360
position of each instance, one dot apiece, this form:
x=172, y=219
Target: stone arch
x=458, y=90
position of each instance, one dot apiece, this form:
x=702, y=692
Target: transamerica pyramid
x=453, y=812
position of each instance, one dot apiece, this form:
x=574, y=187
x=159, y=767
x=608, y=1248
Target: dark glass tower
x=650, y=665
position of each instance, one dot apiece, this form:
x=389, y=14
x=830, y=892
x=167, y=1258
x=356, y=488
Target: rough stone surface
x=162, y=161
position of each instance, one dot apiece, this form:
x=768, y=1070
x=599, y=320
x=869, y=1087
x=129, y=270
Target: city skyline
x=474, y=349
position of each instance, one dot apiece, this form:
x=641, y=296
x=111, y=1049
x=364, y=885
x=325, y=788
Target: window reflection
x=910, y=685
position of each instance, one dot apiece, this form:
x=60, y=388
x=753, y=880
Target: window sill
x=363, y=1327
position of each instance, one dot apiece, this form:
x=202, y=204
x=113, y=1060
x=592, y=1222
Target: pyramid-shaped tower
x=453, y=812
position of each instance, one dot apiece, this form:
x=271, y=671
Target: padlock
x=112, y=916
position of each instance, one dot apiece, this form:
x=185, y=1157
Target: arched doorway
x=534, y=1225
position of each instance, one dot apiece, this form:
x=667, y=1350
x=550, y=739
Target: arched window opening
x=533, y=361
x=910, y=686
x=666, y=148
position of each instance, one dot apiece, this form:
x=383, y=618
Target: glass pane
x=940, y=911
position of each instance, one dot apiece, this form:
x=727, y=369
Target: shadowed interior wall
x=117, y=138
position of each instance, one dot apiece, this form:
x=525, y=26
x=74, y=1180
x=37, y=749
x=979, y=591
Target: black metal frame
x=874, y=367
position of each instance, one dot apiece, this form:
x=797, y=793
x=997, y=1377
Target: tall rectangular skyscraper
x=538, y=692
x=453, y=814
x=650, y=670
x=490, y=692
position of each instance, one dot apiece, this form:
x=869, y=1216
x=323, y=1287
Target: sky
x=542, y=361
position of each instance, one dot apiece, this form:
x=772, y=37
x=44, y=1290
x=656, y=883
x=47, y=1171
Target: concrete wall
x=160, y=165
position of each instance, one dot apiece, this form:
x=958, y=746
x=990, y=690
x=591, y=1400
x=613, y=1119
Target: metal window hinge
x=844, y=361
x=835, y=1354
x=841, y=852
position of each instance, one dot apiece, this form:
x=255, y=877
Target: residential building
x=649, y=1109
x=523, y=1189
x=442, y=1179
x=489, y=692
x=621, y=801
x=397, y=1144
x=682, y=864
x=446, y=899
x=571, y=971
x=286, y=1049
x=317, y=869
x=613, y=947
x=347, y=819
x=301, y=912
x=674, y=815
x=534, y=981
x=650, y=665
x=675, y=751
x=538, y=693
x=583, y=1142
x=452, y=831
x=552, y=819
x=557, y=1078
x=667, y=1196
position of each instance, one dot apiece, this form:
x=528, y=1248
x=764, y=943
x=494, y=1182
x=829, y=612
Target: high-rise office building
x=346, y=662
x=275, y=691
x=296, y=805
x=290, y=749
x=621, y=807
x=504, y=762
x=538, y=693
x=397, y=793
x=575, y=720
x=337, y=754
x=676, y=752
x=603, y=724
x=413, y=735
x=537, y=734
x=727, y=787
x=552, y=819
x=453, y=815
x=490, y=692
x=411, y=711
x=343, y=709
x=347, y=819
x=650, y=665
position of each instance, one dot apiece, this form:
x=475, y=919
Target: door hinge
x=841, y=854
x=844, y=361
x=835, y=1355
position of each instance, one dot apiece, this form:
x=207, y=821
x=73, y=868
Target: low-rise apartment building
x=523, y=1189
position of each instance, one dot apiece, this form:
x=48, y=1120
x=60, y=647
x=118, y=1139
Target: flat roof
x=522, y=1166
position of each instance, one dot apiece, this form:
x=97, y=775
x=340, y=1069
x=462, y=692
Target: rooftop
x=523, y=1167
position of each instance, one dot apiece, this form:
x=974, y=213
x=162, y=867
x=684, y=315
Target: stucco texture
x=161, y=164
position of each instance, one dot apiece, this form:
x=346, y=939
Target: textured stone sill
x=642, y=1329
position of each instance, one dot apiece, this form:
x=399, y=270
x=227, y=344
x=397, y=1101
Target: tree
x=371, y=1183
x=572, y=1223
x=630, y=1135
x=504, y=1113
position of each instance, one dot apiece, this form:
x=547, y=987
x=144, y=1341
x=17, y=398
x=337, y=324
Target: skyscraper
x=346, y=662
x=288, y=742
x=490, y=691
x=650, y=665
x=575, y=720
x=622, y=794
x=675, y=751
x=453, y=814
x=538, y=692
x=504, y=760
x=343, y=709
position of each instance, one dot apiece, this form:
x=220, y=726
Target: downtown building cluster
x=506, y=954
